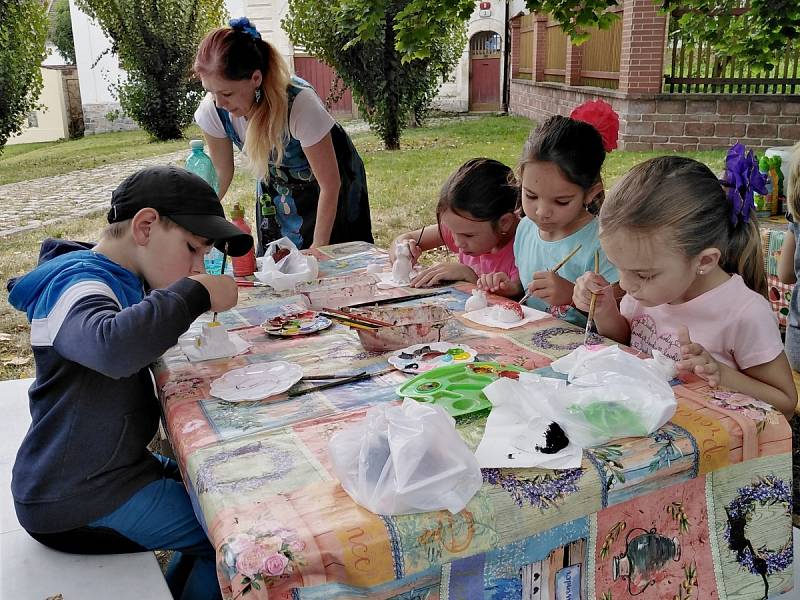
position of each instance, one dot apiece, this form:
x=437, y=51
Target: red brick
x=781, y=120
x=701, y=106
x=699, y=129
x=760, y=130
x=639, y=127
x=791, y=132
x=748, y=118
x=670, y=147
x=790, y=107
x=730, y=129
x=669, y=128
x=679, y=139
x=640, y=107
x=671, y=107
x=653, y=139
x=764, y=107
x=733, y=107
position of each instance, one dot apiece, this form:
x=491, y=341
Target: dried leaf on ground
x=17, y=361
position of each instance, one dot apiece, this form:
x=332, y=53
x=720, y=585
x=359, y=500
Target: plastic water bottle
x=199, y=163
x=242, y=265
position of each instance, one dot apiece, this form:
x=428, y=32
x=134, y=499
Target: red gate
x=322, y=77
x=484, y=71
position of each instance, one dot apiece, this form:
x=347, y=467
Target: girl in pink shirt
x=476, y=219
x=688, y=252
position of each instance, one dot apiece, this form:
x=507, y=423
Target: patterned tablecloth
x=699, y=509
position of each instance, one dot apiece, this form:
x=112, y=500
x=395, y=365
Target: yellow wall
x=52, y=118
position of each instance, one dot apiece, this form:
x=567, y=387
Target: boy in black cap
x=83, y=480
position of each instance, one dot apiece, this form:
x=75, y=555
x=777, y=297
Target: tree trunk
x=391, y=137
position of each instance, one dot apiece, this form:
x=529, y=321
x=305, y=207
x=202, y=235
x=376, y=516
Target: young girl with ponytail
x=311, y=185
x=688, y=252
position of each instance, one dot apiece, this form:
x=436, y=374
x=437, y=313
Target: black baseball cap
x=185, y=198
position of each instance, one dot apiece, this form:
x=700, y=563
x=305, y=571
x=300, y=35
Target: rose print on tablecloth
x=261, y=559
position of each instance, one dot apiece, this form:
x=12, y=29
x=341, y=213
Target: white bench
x=31, y=571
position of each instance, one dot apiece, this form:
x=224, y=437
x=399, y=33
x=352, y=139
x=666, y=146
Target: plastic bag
x=612, y=394
x=290, y=268
x=405, y=459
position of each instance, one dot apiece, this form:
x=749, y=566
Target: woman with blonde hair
x=311, y=185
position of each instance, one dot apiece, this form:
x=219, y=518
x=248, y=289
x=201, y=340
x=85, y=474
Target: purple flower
x=742, y=178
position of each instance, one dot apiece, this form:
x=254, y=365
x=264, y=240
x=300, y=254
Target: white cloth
x=309, y=122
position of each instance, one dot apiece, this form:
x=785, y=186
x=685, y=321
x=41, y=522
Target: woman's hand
x=551, y=288
x=696, y=359
x=443, y=272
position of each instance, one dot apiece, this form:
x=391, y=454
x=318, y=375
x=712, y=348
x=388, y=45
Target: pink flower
x=297, y=545
x=271, y=543
x=252, y=560
x=275, y=564
x=239, y=542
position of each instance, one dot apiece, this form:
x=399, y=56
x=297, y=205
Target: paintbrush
x=356, y=317
x=222, y=272
x=349, y=322
x=331, y=384
x=592, y=302
x=398, y=300
x=555, y=269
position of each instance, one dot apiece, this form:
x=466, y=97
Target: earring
x=258, y=95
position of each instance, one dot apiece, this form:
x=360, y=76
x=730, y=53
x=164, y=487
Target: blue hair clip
x=243, y=24
x=741, y=180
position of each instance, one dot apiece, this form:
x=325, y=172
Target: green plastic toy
x=458, y=389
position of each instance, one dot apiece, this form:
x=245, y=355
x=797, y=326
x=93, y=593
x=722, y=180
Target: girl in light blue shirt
x=561, y=190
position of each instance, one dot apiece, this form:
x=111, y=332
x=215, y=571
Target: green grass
x=403, y=188
x=30, y=161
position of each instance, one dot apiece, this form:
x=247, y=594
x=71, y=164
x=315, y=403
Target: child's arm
x=419, y=241
x=770, y=382
x=786, y=259
x=501, y=284
x=117, y=343
x=607, y=319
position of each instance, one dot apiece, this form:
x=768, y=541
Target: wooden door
x=484, y=71
x=322, y=77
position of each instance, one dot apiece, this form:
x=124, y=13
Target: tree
x=155, y=43
x=61, y=30
x=23, y=29
x=757, y=31
x=392, y=54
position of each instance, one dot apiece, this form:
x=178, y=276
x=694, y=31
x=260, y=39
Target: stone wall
x=672, y=121
x=95, y=118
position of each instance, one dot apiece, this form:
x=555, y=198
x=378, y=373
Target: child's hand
x=444, y=272
x=696, y=359
x=495, y=283
x=411, y=241
x=551, y=288
x=590, y=283
x=222, y=290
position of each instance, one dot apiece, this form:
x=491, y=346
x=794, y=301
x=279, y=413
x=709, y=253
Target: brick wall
x=672, y=121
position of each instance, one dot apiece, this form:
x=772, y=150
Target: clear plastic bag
x=612, y=394
x=405, y=459
x=291, y=268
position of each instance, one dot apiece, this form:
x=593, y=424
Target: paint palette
x=421, y=358
x=297, y=323
x=458, y=389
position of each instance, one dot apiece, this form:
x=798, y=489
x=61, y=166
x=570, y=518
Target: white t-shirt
x=735, y=324
x=309, y=122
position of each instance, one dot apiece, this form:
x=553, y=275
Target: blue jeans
x=160, y=517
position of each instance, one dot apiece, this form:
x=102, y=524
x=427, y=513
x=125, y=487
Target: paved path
x=28, y=205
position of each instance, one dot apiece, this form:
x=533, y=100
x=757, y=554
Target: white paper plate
x=256, y=381
x=411, y=360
